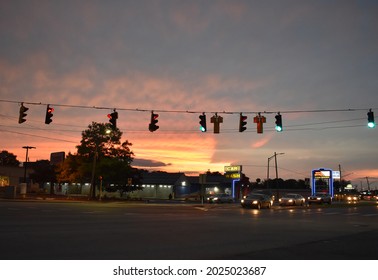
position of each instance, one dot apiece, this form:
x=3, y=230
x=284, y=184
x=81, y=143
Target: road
x=94, y=231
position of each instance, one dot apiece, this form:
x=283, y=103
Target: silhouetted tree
x=8, y=159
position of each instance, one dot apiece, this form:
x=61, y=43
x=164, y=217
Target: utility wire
x=186, y=111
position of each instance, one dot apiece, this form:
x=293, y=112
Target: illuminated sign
x=322, y=174
x=322, y=181
x=232, y=175
x=336, y=174
x=233, y=168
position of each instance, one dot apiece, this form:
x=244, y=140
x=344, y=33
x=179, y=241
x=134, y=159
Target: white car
x=292, y=199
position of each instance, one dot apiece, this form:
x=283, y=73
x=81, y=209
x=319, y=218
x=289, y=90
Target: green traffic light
x=371, y=122
x=278, y=128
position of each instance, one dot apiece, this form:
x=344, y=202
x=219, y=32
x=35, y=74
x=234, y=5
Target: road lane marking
x=201, y=208
x=332, y=213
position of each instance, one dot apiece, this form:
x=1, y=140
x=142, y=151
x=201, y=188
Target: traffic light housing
x=154, y=120
x=242, y=123
x=49, y=114
x=113, y=119
x=216, y=120
x=22, y=115
x=278, y=122
x=202, y=122
x=371, y=122
x=259, y=121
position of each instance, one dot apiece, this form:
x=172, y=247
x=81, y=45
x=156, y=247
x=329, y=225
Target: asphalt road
x=94, y=231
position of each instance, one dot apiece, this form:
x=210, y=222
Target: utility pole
x=368, y=184
x=26, y=160
x=275, y=159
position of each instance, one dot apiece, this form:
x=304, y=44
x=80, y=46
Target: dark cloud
x=149, y=163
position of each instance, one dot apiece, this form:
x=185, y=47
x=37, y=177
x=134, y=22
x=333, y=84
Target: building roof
x=162, y=178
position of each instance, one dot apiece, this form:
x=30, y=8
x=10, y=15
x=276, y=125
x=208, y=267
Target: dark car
x=257, y=201
x=220, y=198
x=265, y=192
x=320, y=198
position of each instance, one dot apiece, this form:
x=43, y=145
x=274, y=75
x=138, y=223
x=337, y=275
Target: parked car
x=292, y=199
x=220, y=198
x=320, y=198
x=257, y=201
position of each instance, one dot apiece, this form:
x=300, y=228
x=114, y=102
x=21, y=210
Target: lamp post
x=275, y=160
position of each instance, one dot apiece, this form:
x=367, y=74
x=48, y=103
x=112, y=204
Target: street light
x=275, y=159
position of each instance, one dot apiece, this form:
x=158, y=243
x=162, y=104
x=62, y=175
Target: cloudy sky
x=316, y=62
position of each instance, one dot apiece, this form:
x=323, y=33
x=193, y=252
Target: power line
x=38, y=136
x=188, y=111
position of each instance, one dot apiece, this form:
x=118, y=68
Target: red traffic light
x=49, y=114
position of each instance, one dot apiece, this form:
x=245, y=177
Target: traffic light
x=371, y=123
x=22, y=115
x=49, y=114
x=216, y=120
x=113, y=119
x=154, y=120
x=278, y=122
x=242, y=123
x=259, y=120
x=202, y=122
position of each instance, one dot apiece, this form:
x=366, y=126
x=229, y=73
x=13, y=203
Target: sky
x=315, y=62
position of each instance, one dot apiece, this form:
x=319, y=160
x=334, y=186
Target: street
x=121, y=230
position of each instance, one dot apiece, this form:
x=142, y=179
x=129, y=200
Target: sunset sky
x=316, y=62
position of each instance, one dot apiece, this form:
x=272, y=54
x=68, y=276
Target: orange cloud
x=262, y=142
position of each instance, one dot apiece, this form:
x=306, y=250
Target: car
x=320, y=198
x=292, y=199
x=352, y=197
x=265, y=192
x=220, y=198
x=257, y=201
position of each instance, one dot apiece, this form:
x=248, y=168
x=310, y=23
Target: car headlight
x=290, y=200
x=255, y=202
x=280, y=200
x=242, y=201
x=318, y=198
x=216, y=198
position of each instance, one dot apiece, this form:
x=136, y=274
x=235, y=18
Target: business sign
x=232, y=175
x=336, y=175
x=321, y=174
x=57, y=158
x=233, y=168
x=322, y=181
